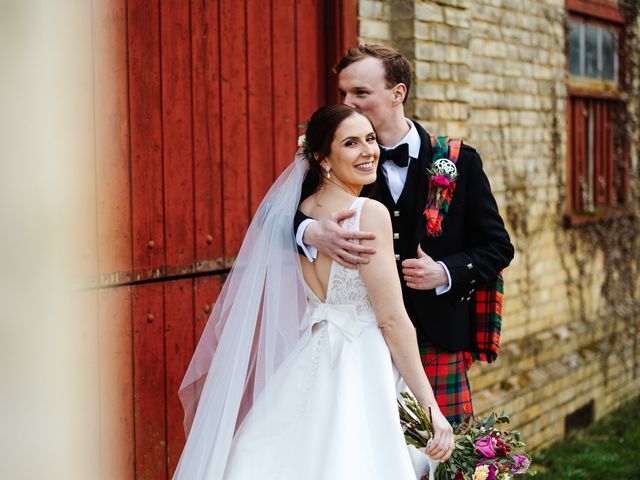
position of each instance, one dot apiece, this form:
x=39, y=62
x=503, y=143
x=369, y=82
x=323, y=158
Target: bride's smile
x=354, y=155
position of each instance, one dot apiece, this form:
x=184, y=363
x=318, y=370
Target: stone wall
x=493, y=73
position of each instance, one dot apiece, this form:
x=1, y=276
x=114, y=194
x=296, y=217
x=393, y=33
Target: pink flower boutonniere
x=442, y=183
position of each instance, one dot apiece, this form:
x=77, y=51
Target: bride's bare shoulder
x=318, y=206
x=306, y=206
x=374, y=217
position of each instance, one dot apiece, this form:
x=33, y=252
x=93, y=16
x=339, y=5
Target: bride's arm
x=383, y=284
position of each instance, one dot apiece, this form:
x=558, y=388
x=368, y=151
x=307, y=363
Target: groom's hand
x=332, y=240
x=423, y=273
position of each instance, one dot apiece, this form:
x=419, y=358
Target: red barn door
x=197, y=104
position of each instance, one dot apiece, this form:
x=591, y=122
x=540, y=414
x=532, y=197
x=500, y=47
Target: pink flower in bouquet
x=485, y=447
x=459, y=475
x=521, y=463
x=440, y=181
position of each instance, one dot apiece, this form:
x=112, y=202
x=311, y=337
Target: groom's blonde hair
x=396, y=66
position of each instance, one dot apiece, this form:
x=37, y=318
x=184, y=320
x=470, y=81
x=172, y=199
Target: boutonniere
x=442, y=182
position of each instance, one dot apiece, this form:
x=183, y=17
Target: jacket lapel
x=424, y=158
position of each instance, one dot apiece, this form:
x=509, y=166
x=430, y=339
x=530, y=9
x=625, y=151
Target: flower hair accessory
x=303, y=143
x=303, y=147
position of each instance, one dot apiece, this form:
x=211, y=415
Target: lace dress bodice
x=345, y=285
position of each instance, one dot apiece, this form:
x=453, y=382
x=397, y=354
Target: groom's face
x=363, y=86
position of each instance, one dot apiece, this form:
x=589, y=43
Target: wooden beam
x=602, y=9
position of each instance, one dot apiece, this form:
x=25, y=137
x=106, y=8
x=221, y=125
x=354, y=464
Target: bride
x=296, y=373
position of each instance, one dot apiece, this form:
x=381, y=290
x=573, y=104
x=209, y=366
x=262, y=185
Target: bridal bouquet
x=482, y=451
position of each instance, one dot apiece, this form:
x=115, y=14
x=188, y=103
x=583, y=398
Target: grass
x=609, y=449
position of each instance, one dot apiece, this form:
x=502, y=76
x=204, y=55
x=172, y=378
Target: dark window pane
x=608, y=54
x=574, y=48
x=591, y=51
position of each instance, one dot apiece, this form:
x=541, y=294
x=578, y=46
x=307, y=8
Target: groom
x=439, y=272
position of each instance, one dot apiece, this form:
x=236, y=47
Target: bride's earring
x=327, y=169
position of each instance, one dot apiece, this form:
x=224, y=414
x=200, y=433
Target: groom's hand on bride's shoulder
x=332, y=240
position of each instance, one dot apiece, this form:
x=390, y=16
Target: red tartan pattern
x=447, y=374
x=486, y=322
x=441, y=147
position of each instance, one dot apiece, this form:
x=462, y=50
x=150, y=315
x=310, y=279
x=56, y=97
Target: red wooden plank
x=284, y=83
x=570, y=154
x=116, y=384
x=580, y=152
x=348, y=24
x=621, y=166
x=311, y=57
x=333, y=47
x=146, y=134
x=234, y=125
x=603, y=9
x=602, y=169
x=206, y=293
x=597, y=153
x=604, y=157
x=149, y=382
x=342, y=18
x=177, y=134
x=112, y=140
x=611, y=157
x=259, y=83
x=573, y=171
x=179, y=344
x=206, y=132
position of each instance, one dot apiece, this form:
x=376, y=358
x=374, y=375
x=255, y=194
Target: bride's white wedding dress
x=330, y=412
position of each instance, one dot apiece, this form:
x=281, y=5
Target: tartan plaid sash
x=486, y=304
x=435, y=211
x=486, y=319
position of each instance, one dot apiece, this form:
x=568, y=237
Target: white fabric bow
x=342, y=324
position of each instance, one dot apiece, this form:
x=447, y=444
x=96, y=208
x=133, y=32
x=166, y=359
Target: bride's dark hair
x=321, y=129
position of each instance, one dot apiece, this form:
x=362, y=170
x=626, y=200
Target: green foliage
x=415, y=422
x=609, y=449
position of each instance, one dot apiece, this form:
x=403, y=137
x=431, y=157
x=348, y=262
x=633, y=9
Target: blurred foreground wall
x=47, y=400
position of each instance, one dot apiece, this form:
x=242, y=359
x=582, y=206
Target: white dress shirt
x=396, y=177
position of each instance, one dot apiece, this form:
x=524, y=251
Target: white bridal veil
x=256, y=322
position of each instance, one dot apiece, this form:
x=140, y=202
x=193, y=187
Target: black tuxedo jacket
x=474, y=244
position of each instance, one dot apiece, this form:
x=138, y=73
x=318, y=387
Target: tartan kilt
x=447, y=372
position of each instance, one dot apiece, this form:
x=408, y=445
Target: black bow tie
x=399, y=155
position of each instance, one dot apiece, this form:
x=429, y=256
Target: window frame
x=583, y=22
x=602, y=13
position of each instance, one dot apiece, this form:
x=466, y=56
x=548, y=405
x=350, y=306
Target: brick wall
x=493, y=73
